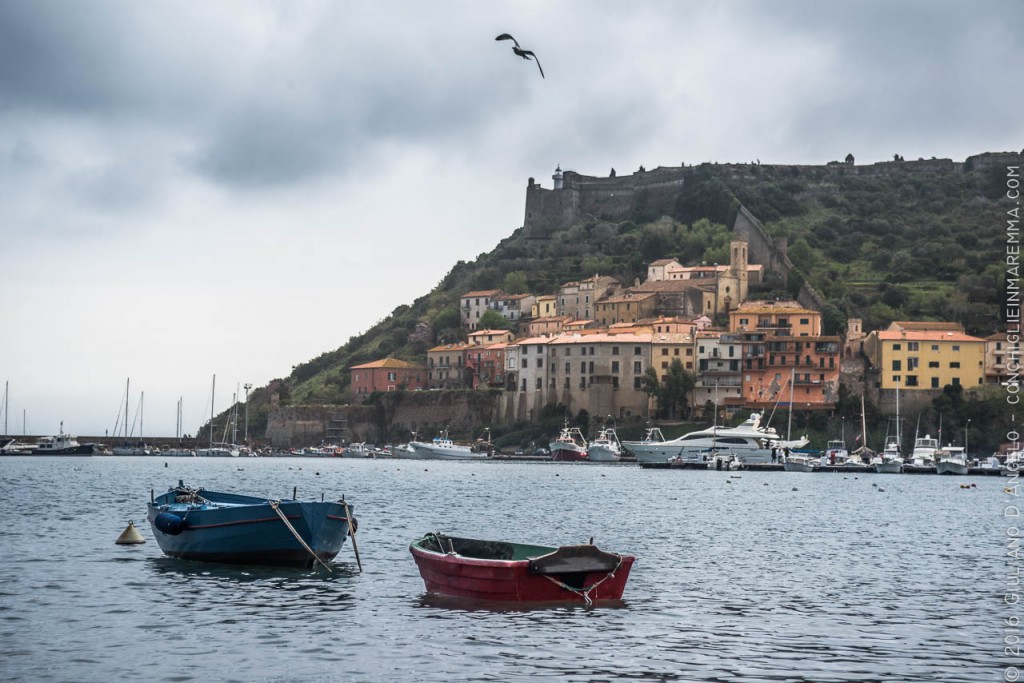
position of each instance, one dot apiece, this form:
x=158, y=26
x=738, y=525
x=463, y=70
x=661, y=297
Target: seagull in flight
x=525, y=54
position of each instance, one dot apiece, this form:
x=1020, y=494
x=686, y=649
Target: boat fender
x=355, y=526
x=169, y=524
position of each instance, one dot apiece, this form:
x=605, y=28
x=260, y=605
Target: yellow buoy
x=130, y=536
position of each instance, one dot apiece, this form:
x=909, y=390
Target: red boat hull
x=568, y=454
x=512, y=581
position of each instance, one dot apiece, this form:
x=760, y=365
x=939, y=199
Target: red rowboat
x=516, y=572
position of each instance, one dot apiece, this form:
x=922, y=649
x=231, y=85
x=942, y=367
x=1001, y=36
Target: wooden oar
x=352, y=532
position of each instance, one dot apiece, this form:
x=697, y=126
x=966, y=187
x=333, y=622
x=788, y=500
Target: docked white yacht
x=951, y=460
x=923, y=454
x=750, y=442
x=801, y=462
x=889, y=461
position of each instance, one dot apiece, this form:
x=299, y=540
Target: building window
x=391, y=377
x=913, y=346
x=897, y=365
x=615, y=350
x=636, y=351
x=636, y=383
x=911, y=380
x=956, y=381
x=664, y=352
x=935, y=347
x=568, y=367
x=638, y=367
x=591, y=368
x=896, y=379
x=664, y=365
x=615, y=366
x=935, y=382
x=897, y=347
x=933, y=363
x=540, y=362
x=954, y=364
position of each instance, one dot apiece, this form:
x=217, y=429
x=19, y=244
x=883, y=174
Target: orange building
x=776, y=368
x=389, y=374
x=786, y=318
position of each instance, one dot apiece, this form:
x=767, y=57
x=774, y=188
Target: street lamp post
x=247, y=388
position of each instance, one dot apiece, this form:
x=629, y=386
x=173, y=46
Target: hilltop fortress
x=577, y=198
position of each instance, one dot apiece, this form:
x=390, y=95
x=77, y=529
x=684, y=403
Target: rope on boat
x=277, y=508
x=585, y=592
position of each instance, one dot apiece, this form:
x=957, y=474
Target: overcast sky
x=190, y=188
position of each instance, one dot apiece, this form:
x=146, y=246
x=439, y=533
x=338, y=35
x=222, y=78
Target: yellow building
x=926, y=359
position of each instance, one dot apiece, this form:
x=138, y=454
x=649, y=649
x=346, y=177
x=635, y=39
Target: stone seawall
x=390, y=417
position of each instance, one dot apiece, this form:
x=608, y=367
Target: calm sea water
x=760, y=577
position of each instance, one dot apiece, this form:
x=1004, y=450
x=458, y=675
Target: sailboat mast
x=863, y=423
x=7, y=409
x=213, y=391
x=142, y=398
x=789, y=427
x=127, y=387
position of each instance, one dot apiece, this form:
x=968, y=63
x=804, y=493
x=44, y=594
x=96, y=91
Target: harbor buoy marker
x=130, y=536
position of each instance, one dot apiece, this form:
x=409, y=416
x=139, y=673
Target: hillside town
x=590, y=345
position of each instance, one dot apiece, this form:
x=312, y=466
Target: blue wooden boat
x=211, y=526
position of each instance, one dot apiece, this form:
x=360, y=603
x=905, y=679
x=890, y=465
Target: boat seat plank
x=575, y=558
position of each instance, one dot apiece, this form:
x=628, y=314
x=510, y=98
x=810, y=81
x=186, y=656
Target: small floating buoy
x=318, y=474
x=874, y=484
x=766, y=483
x=728, y=481
x=974, y=486
x=130, y=536
x=165, y=464
x=794, y=488
x=881, y=490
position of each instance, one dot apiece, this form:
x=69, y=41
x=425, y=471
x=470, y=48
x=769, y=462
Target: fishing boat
x=570, y=444
x=212, y=526
x=443, y=448
x=605, y=448
x=517, y=572
x=62, y=444
x=951, y=460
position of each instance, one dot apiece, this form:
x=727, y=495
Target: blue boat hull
x=222, y=527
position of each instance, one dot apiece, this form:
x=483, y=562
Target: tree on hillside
x=492, y=320
x=515, y=283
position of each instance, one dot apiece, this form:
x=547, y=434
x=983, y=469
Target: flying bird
x=525, y=54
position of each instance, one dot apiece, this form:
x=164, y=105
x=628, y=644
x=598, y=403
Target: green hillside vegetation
x=921, y=245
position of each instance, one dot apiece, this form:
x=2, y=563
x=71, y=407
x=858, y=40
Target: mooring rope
x=277, y=508
x=585, y=592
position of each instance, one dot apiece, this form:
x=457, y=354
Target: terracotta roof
x=771, y=307
x=925, y=325
x=483, y=292
x=926, y=335
x=663, y=262
x=628, y=296
x=387, y=363
x=459, y=346
x=672, y=285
